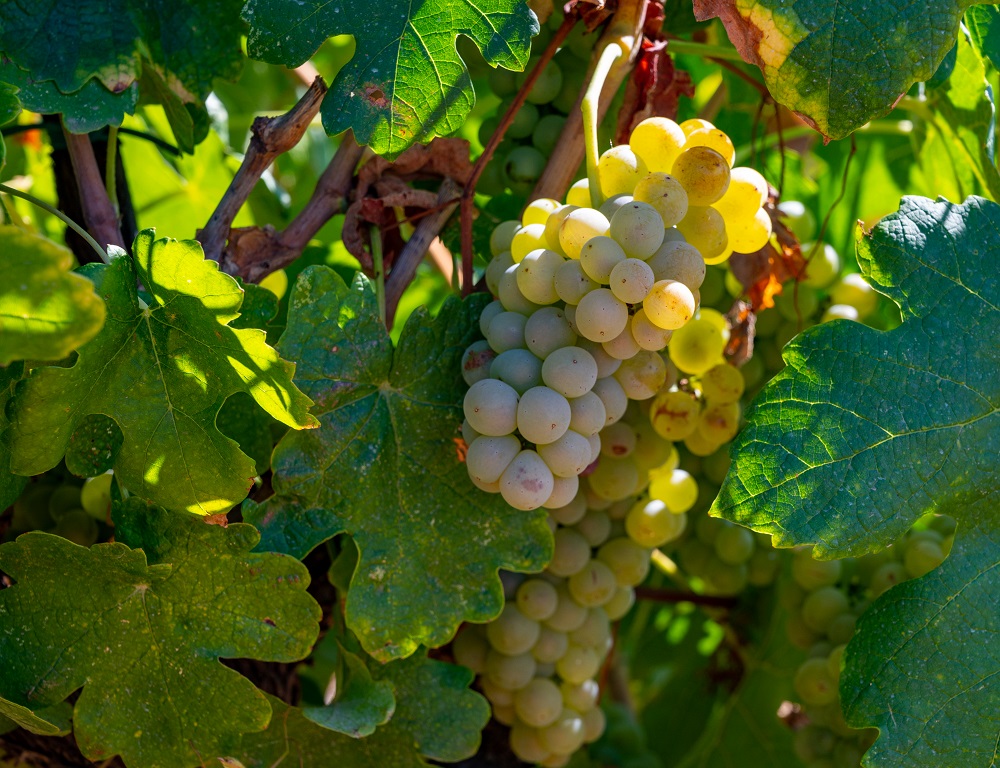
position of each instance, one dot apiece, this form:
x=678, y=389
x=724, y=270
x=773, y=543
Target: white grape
x=491, y=407
x=570, y=371
x=543, y=415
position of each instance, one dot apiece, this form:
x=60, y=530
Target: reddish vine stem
x=99, y=215
x=660, y=595
x=271, y=136
x=508, y=117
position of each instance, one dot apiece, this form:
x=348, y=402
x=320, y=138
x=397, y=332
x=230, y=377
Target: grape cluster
x=825, y=599
x=65, y=507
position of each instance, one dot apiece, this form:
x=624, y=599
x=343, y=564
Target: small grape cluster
x=540, y=659
x=826, y=598
x=65, y=507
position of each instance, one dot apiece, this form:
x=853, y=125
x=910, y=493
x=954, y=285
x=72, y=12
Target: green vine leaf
x=983, y=22
x=361, y=704
x=46, y=311
x=10, y=107
x=406, y=82
x=48, y=721
x=11, y=485
x=157, y=620
x=94, y=445
x=175, y=363
x=864, y=432
x=812, y=52
x=384, y=467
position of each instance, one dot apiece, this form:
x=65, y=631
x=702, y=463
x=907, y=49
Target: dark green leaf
x=48, y=721
x=174, y=364
x=94, y=445
x=88, y=109
x=241, y=420
x=10, y=107
x=839, y=64
x=983, y=22
x=10, y=485
x=46, y=311
x=141, y=631
x=292, y=739
x=406, y=82
x=384, y=468
x=259, y=307
x=863, y=432
x=361, y=703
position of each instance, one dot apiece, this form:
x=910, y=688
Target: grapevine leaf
x=94, y=445
x=435, y=705
x=46, y=311
x=292, y=739
x=103, y=107
x=175, y=363
x=156, y=620
x=11, y=485
x=93, y=44
x=406, y=82
x=862, y=433
x=10, y=107
x=48, y=721
x=983, y=22
x=361, y=704
x=812, y=52
x=383, y=467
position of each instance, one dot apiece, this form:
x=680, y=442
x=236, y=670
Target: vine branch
x=99, y=215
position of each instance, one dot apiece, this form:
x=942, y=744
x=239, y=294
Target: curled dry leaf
x=742, y=322
x=654, y=89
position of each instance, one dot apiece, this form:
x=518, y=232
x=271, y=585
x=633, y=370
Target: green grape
x=538, y=211
x=601, y=316
x=674, y=414
x=614, y=479
x=922, y=557
x=840, y=312
x=495, y=270
x=63, y=499
x=517, y=367
x=715, y=466
x=599, y=256
x=491, y=182
x=703, y=173
x=503, y=82
x=595, y=526
x=537, y=599
x=665, y=194
x=568, y=456
x=648, y=335
x=543, y=415
x=705, y=229
x=623, y=346
x=525, y=120
x=813, y=742
x=678, y=261
x=547, y=330
x=580, y=696
x=713, y=286
x=734, y=545
x=526, y=745
x=854, y=290
x=565, y=735
x=750, y=234
x=539, y=703
x=564, y=489
x=886, y=577
x=699, y=444
x=746, y=194
x=491, y=407
x=77, y=526
x=546, y=135
x=797, y=303
x=95, y=496
x=527, y=239
x=651, y=524
x=470, y=649
x=719, y=424
x=835, y=661
x=511, y=672
x=798, y=633
x=618, y=440
x=512, y=633
x=822, y=607
x=822, y=264
x=511, y=297
x=571, y=552
x=506, y=331
x=669, y=304
x=613, y=397
x=570, y=371
x=476, y=362
x=812, y=574
x=658, y=141
x=724, y=578
x=569, y=614
x=488, y=457
x=593, y=585
x=841, y=629
x=697, y=346
x=573, y=511
x=619, y=170
x=631, y=280
x=572, y=283
x=674, y=487
x=762, y=567
x=813, y=683
x=722, y=383
x=606, y=365
x=487, y=128
x=610, y=206
x=799, y=219
x=651, y=451
x=620, y=604
x=536, y=274
x=468, y=433
x=497, y=695
x=587, y=414
x=628, y=561
x=551, y=645
x=595, y=632
x=580, y=226
x=547, y=86
x=523, y=166
x=711, y=137
x=578, y=664
x=638, y=228
x=643, y=375
x=527, y=482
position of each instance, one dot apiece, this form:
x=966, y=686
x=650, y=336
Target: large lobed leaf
x=162, y=372
x=384, y=467
x=864, y=432
x=46, y=311
x=406, y=82
x=140, y=625
x=839, y=63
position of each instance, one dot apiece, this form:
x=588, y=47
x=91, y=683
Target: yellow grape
x=580, y=226
x=720, y=422
x=538, y=211
x=620, y=170
x=674, y=415
x=579, y=194
x=697, y=347
x=552, y=224
x=704, y=174
x=723, y=383
x=751, y=234
x=720, y=258
x=704, y=228
x=746, y=194
x=713, y=138
x=669, y=304
x=695, y=124
x=658, y=141
x=666, y=194
x=526, y=240
x=677, y=489
x=502, y=235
